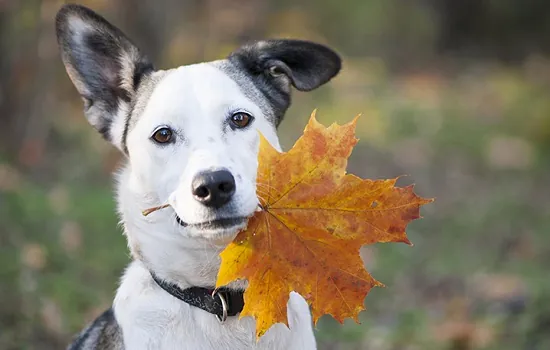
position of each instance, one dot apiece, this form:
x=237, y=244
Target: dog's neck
x=157, y=240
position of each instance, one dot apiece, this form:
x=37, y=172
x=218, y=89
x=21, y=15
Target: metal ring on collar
x=223, y=318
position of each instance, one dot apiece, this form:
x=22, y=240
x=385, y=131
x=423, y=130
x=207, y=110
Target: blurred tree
x=508, y=30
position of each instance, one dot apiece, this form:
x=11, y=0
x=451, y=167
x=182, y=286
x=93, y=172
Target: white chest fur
x=151, y=318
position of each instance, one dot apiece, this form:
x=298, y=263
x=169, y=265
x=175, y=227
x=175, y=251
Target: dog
x=190, y=138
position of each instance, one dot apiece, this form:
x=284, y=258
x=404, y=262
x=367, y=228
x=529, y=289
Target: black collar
x=206, y=299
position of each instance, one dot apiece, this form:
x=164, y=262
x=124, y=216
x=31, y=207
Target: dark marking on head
x=127, y=127
x=273, y=66
x=142, y=70
x=145, y=89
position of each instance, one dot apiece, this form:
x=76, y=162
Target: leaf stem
x=153, y=209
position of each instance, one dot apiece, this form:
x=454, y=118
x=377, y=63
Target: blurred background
x=455, y=94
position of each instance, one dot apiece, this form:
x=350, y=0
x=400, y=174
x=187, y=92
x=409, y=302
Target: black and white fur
x=127, y=100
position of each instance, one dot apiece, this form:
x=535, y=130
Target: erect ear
x=104, y=65
x=305, y=65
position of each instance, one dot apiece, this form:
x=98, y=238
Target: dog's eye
x=241, y=119
x=162, y=135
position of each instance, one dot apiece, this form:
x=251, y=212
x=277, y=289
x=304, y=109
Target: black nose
x=213, y=188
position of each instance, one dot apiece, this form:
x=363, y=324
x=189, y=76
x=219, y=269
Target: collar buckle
x=223, y=299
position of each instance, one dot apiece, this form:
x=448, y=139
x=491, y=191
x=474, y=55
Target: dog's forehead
x=193, y=81
x=200, y=89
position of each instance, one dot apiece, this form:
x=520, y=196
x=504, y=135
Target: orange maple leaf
x=315, y=218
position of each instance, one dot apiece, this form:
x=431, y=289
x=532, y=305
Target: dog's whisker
x=266, y=186
x=262, y=184
x=210, y=256
x=263, y=191
x=263, y=195
x=261, y=199
x=266, y=190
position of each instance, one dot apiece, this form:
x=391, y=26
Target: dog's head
x=191, y=133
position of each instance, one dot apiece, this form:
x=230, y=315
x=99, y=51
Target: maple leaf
x=315, y=218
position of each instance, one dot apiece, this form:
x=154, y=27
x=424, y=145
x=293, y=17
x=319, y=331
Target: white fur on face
x=195, y=102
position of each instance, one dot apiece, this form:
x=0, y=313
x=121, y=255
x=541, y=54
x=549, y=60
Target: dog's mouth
x=218, y=224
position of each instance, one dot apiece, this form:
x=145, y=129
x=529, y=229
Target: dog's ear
x=276, y=65
x=305, y=65
x=103, y=64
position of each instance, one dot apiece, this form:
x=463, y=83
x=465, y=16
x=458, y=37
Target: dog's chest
x=150, y=318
